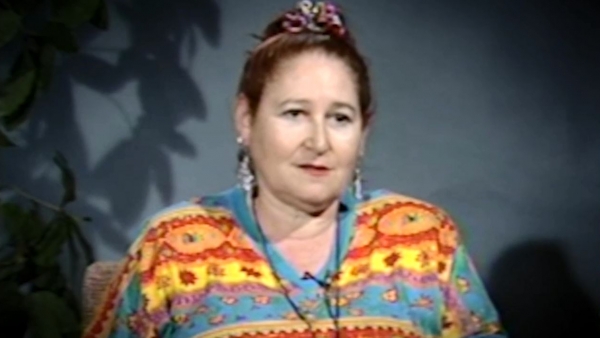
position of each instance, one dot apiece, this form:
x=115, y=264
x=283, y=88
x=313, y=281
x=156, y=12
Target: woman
x=298, y=250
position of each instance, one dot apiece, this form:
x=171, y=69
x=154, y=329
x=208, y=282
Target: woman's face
x=306, y=136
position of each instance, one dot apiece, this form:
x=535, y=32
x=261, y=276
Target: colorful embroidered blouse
x=197, y=270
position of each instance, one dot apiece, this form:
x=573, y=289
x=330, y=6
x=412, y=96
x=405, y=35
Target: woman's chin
x=317, y=196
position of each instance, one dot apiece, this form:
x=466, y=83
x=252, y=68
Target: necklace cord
x=330, y=280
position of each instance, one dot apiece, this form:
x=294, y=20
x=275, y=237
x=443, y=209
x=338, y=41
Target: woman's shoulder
x=391, y=200
x=193, y=208
x=206, y=209
x=395, y=214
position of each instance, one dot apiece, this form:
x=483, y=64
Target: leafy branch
x=41, y=29
x=35, y=296
x=32, y=260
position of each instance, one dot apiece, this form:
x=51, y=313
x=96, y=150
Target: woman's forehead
x=311, y=75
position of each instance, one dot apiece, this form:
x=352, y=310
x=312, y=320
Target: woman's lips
x=315, y=170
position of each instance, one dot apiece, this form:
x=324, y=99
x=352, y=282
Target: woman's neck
x=283, y=221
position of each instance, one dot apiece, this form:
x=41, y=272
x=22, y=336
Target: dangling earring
x=245, y=175
x=357, y=184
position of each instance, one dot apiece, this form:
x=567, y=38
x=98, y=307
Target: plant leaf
x=67, y=179
x=74, y=257
x=74, y=12
x=13, y=218
x=88, y=252
x=100, y=18
x=10, y=23
x=25, y=230
x=71, y=300
x=19, y=87
x=50, y=316
x=56, y=235
x=24, y=7
x=5, y=141
x=22, y=231
x=12, y=310
x=36, y=223
x=77, y=243
x=61, y=36
x=19, y=92
x=10, y=269
x=9, y=293
x=22, y=113
x=50, y=279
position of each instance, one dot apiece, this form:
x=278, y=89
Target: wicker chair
x=95, y=281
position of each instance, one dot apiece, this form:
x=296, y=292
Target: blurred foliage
x=36, y=299
x=39, y=29
x=33, y=287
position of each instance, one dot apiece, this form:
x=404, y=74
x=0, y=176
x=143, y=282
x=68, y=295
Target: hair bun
x=319, y=17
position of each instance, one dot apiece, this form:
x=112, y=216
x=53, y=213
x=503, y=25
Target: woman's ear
x=366, y=129
x=243, y=118
x=363, y=141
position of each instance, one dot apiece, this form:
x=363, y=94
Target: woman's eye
x=342, y=118
x=293, y=112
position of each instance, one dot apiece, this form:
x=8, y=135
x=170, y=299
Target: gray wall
x=488, y=109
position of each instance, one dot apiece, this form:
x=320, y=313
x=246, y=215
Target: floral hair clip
x=320, y=17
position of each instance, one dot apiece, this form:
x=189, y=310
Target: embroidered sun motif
x=187, y=277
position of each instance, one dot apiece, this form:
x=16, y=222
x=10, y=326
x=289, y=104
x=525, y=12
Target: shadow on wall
x=168, y=97
x=158, y=31
x=553, y=48
x=537, y=295
x=532, y=283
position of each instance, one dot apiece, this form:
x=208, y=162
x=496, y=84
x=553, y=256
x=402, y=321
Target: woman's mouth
x=315, y=170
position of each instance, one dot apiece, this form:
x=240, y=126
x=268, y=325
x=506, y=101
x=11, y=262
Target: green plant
x=36, y=298
x=38, y=29
x=34, y=293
